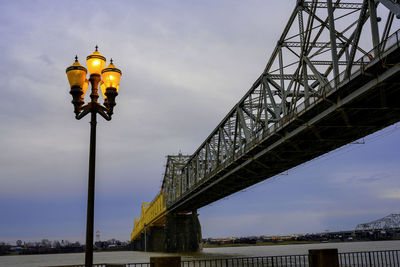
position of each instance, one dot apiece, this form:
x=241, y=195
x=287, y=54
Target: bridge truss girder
x=332, y=60
x=391, y=221
x=316, y=51
x=173, y=185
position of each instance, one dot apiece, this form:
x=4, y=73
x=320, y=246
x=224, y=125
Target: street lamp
x=108, y=80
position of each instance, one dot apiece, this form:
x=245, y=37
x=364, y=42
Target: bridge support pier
x=182, y=233
x=151, y=240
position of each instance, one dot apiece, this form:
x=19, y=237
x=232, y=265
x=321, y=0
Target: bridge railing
x=374, y=54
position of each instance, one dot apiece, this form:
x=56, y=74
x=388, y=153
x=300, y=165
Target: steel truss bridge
x=332, y=78
x=390, y=222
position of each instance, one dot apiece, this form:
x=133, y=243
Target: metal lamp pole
x=109, y=86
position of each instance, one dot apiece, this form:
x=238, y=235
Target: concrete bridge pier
x=138, y=244
x=182, y=233
x=151, y=240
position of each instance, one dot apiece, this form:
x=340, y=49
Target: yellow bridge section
x=152, y=214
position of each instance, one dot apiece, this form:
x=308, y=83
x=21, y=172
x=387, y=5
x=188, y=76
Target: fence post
x=369, y=257
x=323, y=257
x=168, y=261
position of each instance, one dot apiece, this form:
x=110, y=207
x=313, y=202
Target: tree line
x=46, y=246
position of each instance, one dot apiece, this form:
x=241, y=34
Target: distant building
x=97, y=236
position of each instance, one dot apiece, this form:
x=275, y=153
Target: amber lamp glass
x=76, y=74
x=103, y=89
x=85, y=87
x=95, y=62
x=111, y=76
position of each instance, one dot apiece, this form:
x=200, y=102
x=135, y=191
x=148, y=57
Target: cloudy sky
x=185, y=64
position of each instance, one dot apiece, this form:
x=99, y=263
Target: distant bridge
x=332, y=78
x=390, y=222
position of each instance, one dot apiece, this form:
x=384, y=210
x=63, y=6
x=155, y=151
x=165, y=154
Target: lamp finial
x=96, y=47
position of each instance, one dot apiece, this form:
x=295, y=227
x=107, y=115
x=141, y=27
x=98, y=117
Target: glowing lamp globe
x=111, y=77
x=103, y=89
x=95, y=62
x=76, y=74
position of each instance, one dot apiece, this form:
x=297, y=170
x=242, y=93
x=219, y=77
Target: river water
x=223, y=252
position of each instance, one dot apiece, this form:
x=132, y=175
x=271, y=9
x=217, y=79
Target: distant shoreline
x=282, y=243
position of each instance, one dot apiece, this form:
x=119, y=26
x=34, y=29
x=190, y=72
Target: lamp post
x=108, y=80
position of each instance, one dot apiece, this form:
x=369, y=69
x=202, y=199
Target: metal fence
x=138, y=265
x=387, y=258
x=390, y=258
x=147, y=264
x=268, y=261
